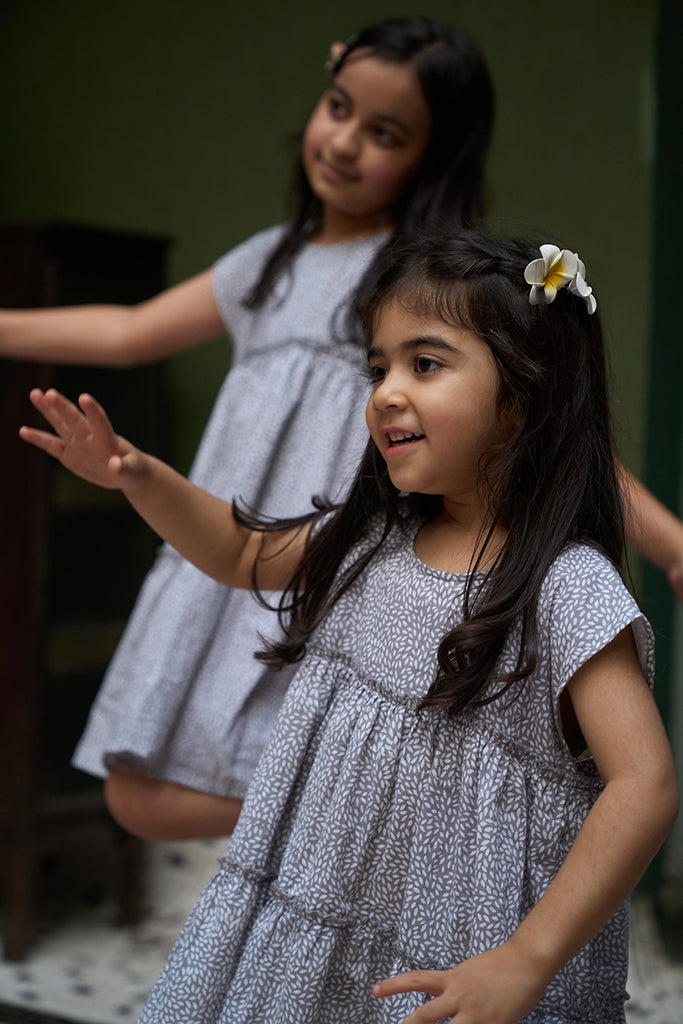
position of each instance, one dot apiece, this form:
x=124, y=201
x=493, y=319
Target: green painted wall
x=174, y=118
x=664, y=448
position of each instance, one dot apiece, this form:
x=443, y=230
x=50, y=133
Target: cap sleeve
x=234, y=273
x=587, y=606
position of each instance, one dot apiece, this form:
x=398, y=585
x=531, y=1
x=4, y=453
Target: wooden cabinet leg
x=17, y=901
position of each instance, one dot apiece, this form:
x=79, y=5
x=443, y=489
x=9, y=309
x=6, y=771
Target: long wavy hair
x=446, y=192
x=555, y=481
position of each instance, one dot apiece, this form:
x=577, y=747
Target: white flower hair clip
x=337, y=51
x=558, y=268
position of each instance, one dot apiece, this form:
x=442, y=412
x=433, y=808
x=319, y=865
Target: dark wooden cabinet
x=71, y=559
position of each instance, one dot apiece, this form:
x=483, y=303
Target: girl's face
x=364, y=142
x=433, y=408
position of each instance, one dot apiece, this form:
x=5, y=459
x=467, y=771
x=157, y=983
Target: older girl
x=397, y=140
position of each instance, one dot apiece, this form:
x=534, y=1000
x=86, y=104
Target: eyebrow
x=389, y=118
x=410, y=344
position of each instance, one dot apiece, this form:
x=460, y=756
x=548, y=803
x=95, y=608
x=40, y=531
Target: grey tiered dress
x=184, y=698
x=376, y=839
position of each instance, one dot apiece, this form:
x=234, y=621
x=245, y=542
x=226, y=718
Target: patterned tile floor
x=82, y=968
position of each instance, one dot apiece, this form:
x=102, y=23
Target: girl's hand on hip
x=496, y=987
x=84, y=440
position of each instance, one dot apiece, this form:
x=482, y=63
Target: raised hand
x=84, y=440
x=197, y=524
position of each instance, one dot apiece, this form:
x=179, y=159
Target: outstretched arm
x=200, y=526
x=653, y=530
x=617, y=841
x=177, y=319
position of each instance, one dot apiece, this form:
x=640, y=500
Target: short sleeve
x=587, y=605
x=235, y=273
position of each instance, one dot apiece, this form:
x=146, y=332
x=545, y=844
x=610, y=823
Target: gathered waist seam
x=467, y=720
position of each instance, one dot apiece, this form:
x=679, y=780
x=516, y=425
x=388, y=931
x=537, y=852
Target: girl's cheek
x=369, y=414
x=308, y=141
x=392, y=176
x=313, y=132
x=371, y=420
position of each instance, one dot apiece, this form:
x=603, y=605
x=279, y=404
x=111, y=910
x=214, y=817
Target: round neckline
x=363, y=240
x=431, y=570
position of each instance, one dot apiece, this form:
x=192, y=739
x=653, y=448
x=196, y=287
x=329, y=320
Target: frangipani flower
x=579, y=287
x=337, y=51
x=555, y=270
x=558, y=268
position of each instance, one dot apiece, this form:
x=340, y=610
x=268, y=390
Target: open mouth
x=395, y=439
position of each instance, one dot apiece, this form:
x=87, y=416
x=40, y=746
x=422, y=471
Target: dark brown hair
x=555, y=480
x=446, y=192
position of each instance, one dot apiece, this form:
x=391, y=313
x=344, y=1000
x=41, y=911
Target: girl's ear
x=510, y=415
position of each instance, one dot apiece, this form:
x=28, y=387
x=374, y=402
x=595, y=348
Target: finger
x=124, y=464
x=130, y=465
x=60, y=413
x=430, y=982
x=96, y=417
x=41, y=401
x=69, y=414
x=50, y=443
x=432, y=1012
x=36, y=397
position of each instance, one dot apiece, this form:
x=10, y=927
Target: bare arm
x=631, y=818
x=175, y=320
x=617, y=841
x=200, y=526
x=654, y=531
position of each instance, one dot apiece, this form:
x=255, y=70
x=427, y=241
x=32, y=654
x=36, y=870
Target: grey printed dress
x=184, y=698
x=376, y=839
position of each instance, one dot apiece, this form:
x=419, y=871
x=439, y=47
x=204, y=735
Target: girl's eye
x=425, y=364
x=376, y=374
x=385, y=137
x=336, y=107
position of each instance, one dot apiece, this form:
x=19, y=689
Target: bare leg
x=156, y=809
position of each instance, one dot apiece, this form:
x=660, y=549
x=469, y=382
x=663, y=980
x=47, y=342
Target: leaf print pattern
x=376, y=839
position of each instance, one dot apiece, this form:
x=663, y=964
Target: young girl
x=397, y=140
x=396, y=143
x=469, y=773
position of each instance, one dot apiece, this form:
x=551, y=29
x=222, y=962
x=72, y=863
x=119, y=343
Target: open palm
x=84, y=440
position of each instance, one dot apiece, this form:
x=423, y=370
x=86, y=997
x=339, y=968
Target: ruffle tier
x=376, y=840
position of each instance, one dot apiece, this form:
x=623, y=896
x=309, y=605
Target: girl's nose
x=388, y=394
x=346, y=140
